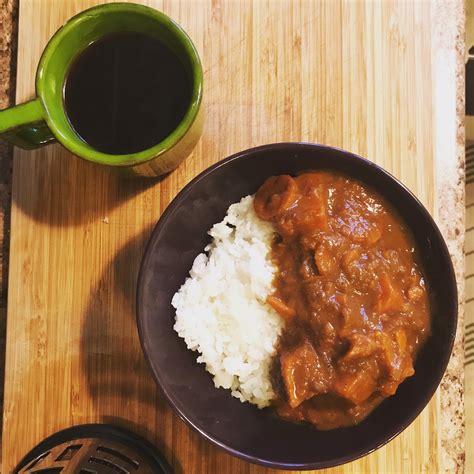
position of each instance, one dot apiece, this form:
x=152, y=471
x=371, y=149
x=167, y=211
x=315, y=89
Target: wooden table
x=383, y=79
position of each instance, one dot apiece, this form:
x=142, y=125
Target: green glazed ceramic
x=44, y=120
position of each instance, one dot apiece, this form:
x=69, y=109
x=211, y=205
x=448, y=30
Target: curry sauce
x=351, y=293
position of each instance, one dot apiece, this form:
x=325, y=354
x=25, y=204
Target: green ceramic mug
x=44, y=119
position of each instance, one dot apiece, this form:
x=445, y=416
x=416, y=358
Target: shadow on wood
x=112, y=362
x=63, y=190
x=149, y=435
x=110, y=347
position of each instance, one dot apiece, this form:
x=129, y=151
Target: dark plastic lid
x=94, y=449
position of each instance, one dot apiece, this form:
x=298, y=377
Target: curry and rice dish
x=309, y=299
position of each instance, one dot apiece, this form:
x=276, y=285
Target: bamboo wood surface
x=357, y=75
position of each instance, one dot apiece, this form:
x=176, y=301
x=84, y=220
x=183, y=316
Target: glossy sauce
x=352, y=295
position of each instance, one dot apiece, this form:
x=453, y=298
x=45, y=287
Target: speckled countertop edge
x=448, y=27
x=8, y=28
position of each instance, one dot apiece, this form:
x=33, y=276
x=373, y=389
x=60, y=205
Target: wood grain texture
x=352, y=74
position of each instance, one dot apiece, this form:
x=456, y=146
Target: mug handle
x=23, y=125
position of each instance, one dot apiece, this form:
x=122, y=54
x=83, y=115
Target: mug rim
x=81, y=148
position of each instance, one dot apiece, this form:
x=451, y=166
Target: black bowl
x=240, y=428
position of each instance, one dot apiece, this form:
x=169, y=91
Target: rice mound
x=221, y=310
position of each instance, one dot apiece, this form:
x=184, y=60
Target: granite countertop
x=446, y=25
x=8, y=15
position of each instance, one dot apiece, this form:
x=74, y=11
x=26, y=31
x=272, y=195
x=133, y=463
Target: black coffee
x=126, y=92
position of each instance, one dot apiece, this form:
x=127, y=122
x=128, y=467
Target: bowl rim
x=450, y=277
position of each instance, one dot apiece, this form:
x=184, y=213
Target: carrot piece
x=356, y=387
x=285, y=311
x=276, y=195
x=406, y=366
x=390, y=297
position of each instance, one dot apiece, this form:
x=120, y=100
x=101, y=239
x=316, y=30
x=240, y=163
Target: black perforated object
x=94, y=449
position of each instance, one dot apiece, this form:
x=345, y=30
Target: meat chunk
x=396, y=359
x=304, y=374
x=312, y=214
x=325, y=261
x=361, y=346
x=354, y=263
x=308, y=268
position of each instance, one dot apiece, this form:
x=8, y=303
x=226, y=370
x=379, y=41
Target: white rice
x=221, y=310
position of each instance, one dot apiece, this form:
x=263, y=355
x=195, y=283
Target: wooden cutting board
x=376, y=78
